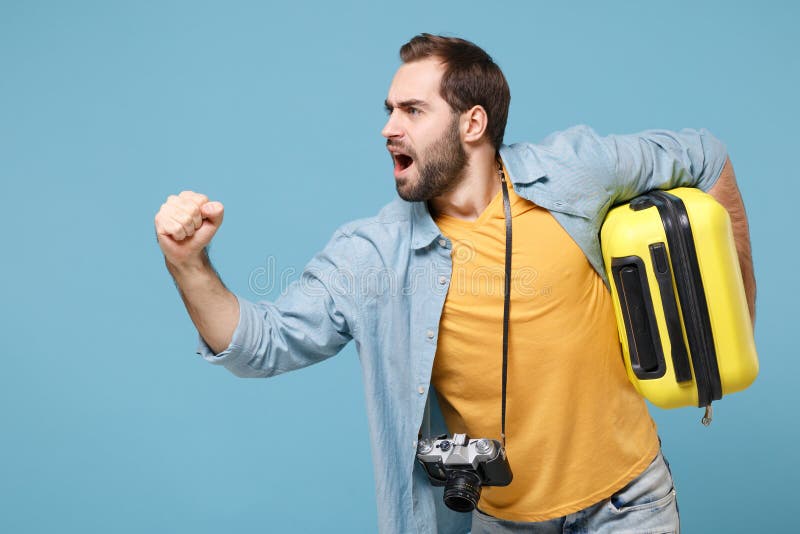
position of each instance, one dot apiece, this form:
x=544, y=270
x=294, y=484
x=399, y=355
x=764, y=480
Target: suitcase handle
x=636, y=304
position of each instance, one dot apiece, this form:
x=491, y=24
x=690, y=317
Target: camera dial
x=484, y=446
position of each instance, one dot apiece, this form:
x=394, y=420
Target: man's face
x=422, y=133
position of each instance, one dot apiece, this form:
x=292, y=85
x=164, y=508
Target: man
x=417, y=282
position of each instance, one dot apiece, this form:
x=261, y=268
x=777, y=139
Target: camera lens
x=462, y=490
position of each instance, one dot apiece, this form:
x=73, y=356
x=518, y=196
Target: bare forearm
x=726, y=192
x=211, y=306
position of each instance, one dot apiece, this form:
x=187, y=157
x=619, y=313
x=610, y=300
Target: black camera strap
x=506, y=297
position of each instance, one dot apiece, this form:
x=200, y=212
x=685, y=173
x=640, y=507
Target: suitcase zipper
x=692, y=297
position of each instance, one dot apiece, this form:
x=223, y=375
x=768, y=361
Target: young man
x=424, y=279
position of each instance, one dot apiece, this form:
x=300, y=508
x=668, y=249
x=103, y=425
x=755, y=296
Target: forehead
x=418, y=80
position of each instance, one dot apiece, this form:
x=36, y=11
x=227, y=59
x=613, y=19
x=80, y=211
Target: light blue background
x=108, y=420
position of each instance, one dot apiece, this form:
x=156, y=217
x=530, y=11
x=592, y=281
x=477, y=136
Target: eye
x=413, y=111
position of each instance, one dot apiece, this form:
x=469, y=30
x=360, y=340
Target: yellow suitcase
x=678, y=295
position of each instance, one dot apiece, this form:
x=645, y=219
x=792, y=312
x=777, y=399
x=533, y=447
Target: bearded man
x=419, y=287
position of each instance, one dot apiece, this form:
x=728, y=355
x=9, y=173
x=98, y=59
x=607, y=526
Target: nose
x=391, y=128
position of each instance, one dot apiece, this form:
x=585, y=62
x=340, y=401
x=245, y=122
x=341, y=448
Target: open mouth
x=402, y=162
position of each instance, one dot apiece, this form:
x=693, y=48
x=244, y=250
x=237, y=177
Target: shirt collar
x=521, y=165
x=423, y=229
x=525, y=168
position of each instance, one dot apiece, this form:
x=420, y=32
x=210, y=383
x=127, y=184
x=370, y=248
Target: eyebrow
x=413, y=102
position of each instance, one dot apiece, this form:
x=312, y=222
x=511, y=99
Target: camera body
x=463, y=466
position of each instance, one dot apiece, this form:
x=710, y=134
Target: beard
x=440, y=168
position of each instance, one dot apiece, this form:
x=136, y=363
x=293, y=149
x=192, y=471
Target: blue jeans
x=647, y=505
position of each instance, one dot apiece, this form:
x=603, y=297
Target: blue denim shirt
x=382, y=282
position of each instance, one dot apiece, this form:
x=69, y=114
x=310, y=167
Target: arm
x=660, y=159
x=214, y=310
x=308, y=323
x=312, y=320
x=727, y=193
x=185, y=225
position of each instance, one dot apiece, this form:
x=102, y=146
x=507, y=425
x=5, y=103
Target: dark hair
x=470, y=78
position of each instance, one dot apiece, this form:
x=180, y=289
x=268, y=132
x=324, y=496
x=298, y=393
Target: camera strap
x=506, y=296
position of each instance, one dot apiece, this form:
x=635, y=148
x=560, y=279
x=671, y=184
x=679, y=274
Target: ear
x=474, y=122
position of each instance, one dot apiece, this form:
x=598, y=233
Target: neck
x=474, y=191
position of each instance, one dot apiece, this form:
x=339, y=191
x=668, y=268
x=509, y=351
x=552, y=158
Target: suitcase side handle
x=636, y=305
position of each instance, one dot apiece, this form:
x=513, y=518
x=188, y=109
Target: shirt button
x=421, y=389
x=442, y=242
x=430, y=334
x=442, y=280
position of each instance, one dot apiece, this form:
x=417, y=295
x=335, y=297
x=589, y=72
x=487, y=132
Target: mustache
x=400, y=146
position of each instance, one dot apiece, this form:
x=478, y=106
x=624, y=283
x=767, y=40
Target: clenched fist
x=185, y=224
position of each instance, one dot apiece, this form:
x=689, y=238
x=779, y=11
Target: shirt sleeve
x=662, y=159
x=310, y=322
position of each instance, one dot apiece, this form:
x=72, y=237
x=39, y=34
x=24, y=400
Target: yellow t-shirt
x=576, y=429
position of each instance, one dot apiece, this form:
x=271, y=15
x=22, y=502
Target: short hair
x=470, y=78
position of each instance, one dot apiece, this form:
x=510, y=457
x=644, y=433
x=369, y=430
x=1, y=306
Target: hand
x=185, y=225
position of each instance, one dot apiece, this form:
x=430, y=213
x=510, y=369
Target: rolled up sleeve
x=662, y=159
x=310, y=322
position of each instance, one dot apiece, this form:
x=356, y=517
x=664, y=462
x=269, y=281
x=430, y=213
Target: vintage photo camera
x=463, y=465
